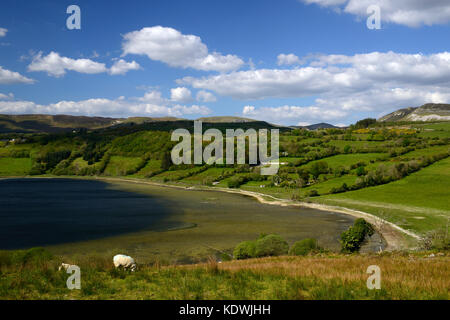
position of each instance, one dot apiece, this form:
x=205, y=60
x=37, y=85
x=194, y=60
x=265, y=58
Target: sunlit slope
x=419, y=202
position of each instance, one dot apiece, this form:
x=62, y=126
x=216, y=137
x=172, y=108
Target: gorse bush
x=303, y=247
x=245, y=250
x=264, y=246
x=271, y=245
x=237, y=181
x=352, y=239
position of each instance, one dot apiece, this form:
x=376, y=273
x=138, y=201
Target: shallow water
x=148, y=220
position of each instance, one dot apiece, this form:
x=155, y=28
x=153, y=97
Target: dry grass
x=411, y=271
x=333, y=276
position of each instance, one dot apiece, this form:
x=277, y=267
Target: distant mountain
x=65, y=123
x=427, y=112
x=51, y=123
x=227, y=119
x=317, y=126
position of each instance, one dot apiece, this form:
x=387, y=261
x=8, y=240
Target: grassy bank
x=418, y=202
x=403, y=276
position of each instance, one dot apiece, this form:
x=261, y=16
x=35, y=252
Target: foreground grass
x=403, y=276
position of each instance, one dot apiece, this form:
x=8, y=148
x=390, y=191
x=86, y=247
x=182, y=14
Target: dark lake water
x=38, y=212
x=82, y=216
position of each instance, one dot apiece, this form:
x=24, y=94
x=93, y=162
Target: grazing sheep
x=64, y=266
x=124, y=261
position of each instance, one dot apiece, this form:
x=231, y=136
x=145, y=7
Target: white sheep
x=124, y=261
x=64, y=266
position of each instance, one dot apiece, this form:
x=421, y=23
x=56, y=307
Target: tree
x=365, y=123
x=318, y=168
x=166, y=162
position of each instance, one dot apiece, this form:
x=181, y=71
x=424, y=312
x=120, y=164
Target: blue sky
x=288, y=62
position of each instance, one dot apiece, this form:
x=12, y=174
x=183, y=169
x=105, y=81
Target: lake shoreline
x=392, y=234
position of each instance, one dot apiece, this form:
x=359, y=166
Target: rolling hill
x=35, y=123
x=225, y=119
x=427, y=112
x=316, y=126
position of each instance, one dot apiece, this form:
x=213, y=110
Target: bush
x=365, y=226
x=245, y=250
x=303, y=247
x=313, y=193
x=361, y=171
x=352, y=239
x=436, y=240
x=31, y=256
x=271, y=245
x=341, y=189
x=236, y=182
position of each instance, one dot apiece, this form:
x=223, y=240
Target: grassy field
x=346, y=160
x=152, y=167
x=210, y=175
x=324, y=276
x=419, y=202
x=14, y=166
x=121, y=166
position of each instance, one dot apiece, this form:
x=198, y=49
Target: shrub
x=436, y=240
x=360, y=171
x=245, y=250
x=340, y=189
x=365, y=226
x=318, y=168
x=271, y=245
x=352, y=239
x=31, y=256
x=236, y=182
x=313, y=193
x=303, y=247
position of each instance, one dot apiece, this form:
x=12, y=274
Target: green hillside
x=397, y=172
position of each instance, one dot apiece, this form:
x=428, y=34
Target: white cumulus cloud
x=411, y=13
x=205, y=96
x=293, y=114
x=341, y=85
x=121, y=67
x=56, y=65
x=333, y=73
x=177, y=50
x=119, y=107
x=180, y=94
x=6, y=96
x=154, y=97
x=10, y=77
x=287, y=59
x=3, y=32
